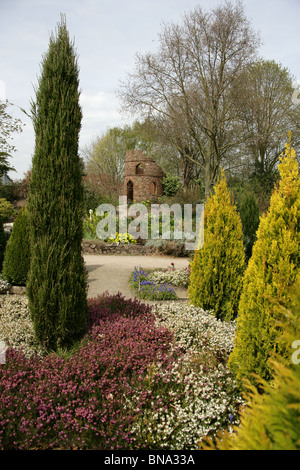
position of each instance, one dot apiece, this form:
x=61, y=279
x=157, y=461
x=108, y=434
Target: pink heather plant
x=127, y=385
x=62, y=403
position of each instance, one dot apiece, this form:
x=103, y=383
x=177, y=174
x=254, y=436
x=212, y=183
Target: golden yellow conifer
x=218, y=267
x=272, y=269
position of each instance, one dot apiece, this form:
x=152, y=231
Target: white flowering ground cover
x=16, y=328
x=176, y=277
x=4, y=286
x=198, y=394
x=212, y=399
x=196, y=330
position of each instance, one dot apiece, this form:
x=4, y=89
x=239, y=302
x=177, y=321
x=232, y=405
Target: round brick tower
x=142, y=177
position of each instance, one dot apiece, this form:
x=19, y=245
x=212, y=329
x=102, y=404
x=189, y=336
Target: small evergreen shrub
x=171, y=184
x=6, y=209
x=17, y=255
x=176, y=277
x=272, y=269
x=16, y=328
x=218, y=267
x=4, y=286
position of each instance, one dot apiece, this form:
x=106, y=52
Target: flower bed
x=196, y=331
x=128, y=385
x=176, y=277
x=145, y=288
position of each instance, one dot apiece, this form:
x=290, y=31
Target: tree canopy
x=8, y=126
x=185, y=86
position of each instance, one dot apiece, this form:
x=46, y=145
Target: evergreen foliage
x=2, y=243
x=271, y=420
x=272, y=269
x=17, y=254
x=6, y=209
x=249, y=213
x=57, y=279
x=171, y=185
x=217, y=268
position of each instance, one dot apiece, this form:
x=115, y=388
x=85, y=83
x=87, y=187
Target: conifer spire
x=272, y=270
x=218, y=267
x=57, y=278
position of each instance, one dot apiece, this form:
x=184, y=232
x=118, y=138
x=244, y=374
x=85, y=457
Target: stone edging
x=100, y=247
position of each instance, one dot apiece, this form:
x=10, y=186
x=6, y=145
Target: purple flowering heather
x=80, y=402
x=127, y=385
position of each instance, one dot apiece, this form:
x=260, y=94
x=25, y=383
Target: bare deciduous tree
x=186, y=85
x=266, y=112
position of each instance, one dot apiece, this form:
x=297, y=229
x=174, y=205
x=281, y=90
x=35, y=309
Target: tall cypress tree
x=57, y=279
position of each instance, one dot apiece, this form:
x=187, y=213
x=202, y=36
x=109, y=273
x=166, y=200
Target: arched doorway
x=153, y=188
x=129, y=190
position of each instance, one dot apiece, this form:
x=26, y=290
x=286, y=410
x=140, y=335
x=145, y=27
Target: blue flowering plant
x=145, y=288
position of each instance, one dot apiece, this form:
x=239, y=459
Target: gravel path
x=111, y=273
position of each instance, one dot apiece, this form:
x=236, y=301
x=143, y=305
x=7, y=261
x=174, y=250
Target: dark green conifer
x=249, y=213
x=57, y=280
x=2, y=243
x=17, y=254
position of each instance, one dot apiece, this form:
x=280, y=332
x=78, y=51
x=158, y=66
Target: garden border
x=99, y=247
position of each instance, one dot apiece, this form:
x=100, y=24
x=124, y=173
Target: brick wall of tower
x=144, y=174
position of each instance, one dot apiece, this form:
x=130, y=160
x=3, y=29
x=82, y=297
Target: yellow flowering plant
x=124, y=238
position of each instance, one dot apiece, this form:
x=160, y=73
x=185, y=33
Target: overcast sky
x=108, y=34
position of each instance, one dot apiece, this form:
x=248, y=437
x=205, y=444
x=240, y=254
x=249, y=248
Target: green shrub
x=17, y=255
x=171, y=184
x=217, y=268
x=271, y=420
x=6, y=209
x=249, y=213
x=2, y=243
x=91, y=200
x=272, y=269
x=90, y=223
